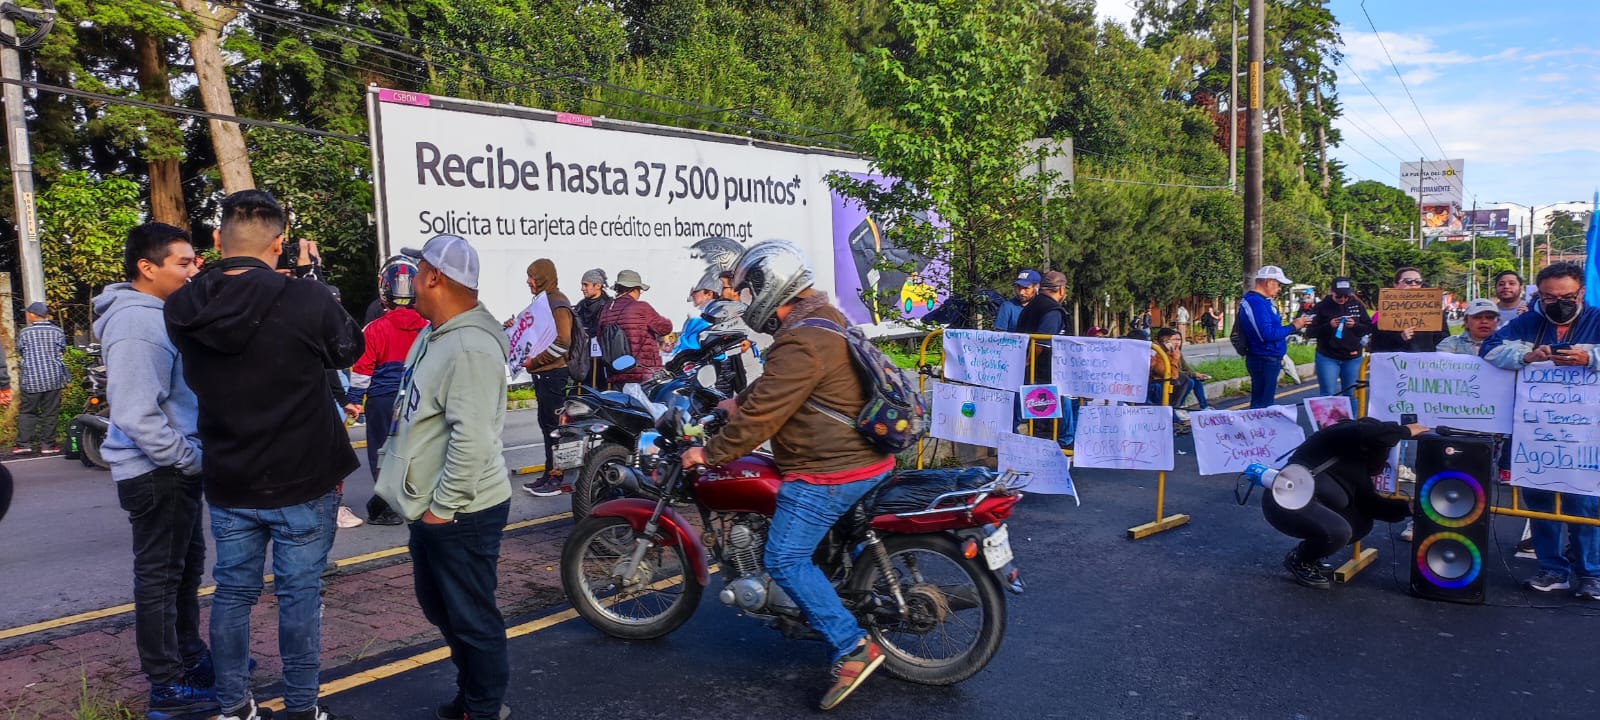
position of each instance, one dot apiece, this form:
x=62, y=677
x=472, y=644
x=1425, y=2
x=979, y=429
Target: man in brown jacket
x=549, y=371
x=827, y=466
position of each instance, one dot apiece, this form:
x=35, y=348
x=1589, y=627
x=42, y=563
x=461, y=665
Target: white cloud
x=1551, y=78
x=1120, y=11
x=1419, y=76
x=1364, y=51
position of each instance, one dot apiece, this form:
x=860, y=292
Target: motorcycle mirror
x=623, y=363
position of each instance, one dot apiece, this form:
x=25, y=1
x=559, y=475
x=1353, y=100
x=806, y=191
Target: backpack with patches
x=894, y=416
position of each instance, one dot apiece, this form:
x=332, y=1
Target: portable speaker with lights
x=1451, y=530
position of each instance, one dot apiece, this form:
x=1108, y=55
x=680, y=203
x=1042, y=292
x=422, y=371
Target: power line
x=1385, y=109
x=1371, y=136
x=1442, y=154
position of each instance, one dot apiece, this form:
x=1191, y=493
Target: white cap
x=1272, y=272
x=1480, y=306
x=452, y=255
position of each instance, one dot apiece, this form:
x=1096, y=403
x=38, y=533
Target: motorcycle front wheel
x=956, y=612
x=596, y=483
x=89, y=441
x=654, y=599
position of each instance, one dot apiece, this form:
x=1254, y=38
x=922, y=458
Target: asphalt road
x=64, y=546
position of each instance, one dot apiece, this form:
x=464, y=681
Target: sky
x=1513, y=90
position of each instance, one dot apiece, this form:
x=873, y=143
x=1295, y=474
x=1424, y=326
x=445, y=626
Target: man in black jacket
x=255, y=346
x=1044, y=315
x=1338, y=323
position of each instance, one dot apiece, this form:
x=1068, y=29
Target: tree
x=83, y=225
x=329, y=197
x=205, y=46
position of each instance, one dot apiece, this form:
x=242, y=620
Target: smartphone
x=1560, y=347
x=1408, y=418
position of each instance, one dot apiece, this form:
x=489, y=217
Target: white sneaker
x=347, y=519
x=247, y=711
x=1405, y=535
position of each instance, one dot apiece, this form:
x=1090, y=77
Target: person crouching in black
x=1346, y=499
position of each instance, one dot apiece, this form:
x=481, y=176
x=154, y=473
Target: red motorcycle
x=921, y=561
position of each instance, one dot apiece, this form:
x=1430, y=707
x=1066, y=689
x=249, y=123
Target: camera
x=290, y=255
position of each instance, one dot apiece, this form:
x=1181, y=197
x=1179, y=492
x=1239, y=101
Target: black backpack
x=1236, y=336
x=613, y=344
x=579, y=362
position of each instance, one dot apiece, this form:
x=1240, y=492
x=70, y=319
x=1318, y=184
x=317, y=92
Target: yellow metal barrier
x=1360, y=557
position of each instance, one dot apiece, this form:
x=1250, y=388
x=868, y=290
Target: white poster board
x=1328, y=410
x=971, y=414
x=1556, y=436
x=991, y=359
x=1047, y=468
x=1101, y=368
x=1227, y=441
x=1459, y=391
x=1124, y=437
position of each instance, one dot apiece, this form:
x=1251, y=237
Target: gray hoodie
x=153, y=412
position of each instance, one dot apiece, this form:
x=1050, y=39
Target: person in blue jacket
x=1027, y=284
x=1265, y=333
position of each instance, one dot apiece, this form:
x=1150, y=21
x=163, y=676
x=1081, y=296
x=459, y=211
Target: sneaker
x=348, y=519
x=1307, y=574
x=1405, y=535
x=19, y=451
x=246, y=711
x=50, y=450
x=1525, y=549
x=387, y=517
x=320, y=712
x=168, y=702
x=545, y=486
x=453, y=711
x=1546, y=581
x=1589, y=589
x=850, y=671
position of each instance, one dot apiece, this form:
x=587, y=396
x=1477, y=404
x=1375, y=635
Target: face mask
x=1561, y=312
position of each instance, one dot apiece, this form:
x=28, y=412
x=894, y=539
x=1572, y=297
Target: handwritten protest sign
x=1419, y=309
x=531, y=332
x=1041, y=402
x=1227, y=441
x=1556, y=436
x=1124, y=437
x=1459, y=391
x=1041, y=459
x=971, y=414
x=1101, y=368
x=1325, y=411
x=990, y=359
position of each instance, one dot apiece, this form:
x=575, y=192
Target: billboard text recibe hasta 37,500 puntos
x=522, y=184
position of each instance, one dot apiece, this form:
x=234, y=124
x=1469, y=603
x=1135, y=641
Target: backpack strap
x=833, y=327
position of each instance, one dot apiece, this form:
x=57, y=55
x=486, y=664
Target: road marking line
x=206, y=591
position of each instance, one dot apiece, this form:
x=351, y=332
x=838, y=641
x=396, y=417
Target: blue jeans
x=1547, y=533
x=1264, y=373
x=454, y=568
x=1336, y=376
x=1198, y=389
x=301, y=536
x=805, y=512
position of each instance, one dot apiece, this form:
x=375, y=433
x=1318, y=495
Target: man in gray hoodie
x=154, y=452
x=443, y=470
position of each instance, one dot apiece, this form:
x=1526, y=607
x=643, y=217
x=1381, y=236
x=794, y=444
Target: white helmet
x=773, y=272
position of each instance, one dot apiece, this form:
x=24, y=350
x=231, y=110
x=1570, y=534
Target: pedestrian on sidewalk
x=640, y=323
x=1211, y=320
x=1045, y=315
x=375, y=378
x=548, y=368
x=1180, y=320
x=1339, y=323
x=153, y=448
x=1265, y=334
x=40, y=347
x=444, y=471
x=255, y=346
x=1410, y=339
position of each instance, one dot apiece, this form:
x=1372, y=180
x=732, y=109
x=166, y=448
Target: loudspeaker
x=1451, y=530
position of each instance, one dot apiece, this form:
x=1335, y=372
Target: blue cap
x=1027, y=278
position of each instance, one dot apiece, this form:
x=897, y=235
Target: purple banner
x=859, y=240
x=1488, y=222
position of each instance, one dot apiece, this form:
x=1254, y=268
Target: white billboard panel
x=1437, y=182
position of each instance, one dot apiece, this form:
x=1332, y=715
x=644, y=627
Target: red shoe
x=852, y=670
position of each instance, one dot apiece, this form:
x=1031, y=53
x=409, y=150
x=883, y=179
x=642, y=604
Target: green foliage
x=83, y=224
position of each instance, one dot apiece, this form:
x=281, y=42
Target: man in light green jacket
x=443, y=470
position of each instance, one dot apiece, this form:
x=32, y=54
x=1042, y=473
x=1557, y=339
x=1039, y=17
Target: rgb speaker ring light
x=1449, y=583
x=1424, y=499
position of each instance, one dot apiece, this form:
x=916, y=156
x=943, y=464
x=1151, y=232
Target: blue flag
x=1591, y=263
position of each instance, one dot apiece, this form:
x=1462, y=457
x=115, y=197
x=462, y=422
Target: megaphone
x=1292, y=487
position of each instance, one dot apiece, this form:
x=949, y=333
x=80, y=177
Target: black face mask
x=1561, y=312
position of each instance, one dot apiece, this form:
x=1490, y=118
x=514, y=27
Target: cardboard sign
x=1041, y=459
x=1442, y=389
x=1124, y=437
x=1227, y=441
x=1101, y=368
x=1041, y=402
x=1555, y=443
x=1325, y=411
x=1420, y=309
x=971, y=414
x=991, y=359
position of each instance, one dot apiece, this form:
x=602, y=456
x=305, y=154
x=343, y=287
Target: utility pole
x=1472, y=293
x=1253, y=156
x=1233, y=99
x=1344, y=243
x=29, y=260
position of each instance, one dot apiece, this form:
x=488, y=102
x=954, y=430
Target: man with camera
x=255, y=345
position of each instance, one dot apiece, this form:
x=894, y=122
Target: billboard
x=1434, y=182
x=522, y=184
x=1488, y=222
x=1441, y=220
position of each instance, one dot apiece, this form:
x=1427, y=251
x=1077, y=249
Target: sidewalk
x=368, y=610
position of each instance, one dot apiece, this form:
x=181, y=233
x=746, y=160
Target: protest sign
x=1327, y=410
x=1227, y=441
x=971, y=414
x=1124, y=437
x=1459, y=391
x=991, y=359
x=1041, y=459
x=531, y=332
x=1101, y=368
x=1040, y=402
x=1556, y=435
x=1420, y=309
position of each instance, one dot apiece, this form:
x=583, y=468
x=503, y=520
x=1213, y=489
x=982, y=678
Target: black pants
x=169, y=555
x=379, y=409
x=549, y=394
x=455, y=565
x=36, y=418
x=1322, y=530
x=730, y=375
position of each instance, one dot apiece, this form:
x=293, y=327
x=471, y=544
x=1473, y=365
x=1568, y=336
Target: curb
x=1231, y=387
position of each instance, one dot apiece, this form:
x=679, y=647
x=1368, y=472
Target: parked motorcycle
x=921, y=561
x=87, y=431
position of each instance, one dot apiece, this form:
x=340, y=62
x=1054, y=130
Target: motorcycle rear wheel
x=89, y=441
x=655, y=600
x=958, y=612
x=591, y=489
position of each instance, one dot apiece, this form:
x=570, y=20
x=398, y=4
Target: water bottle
x=1338, y=332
